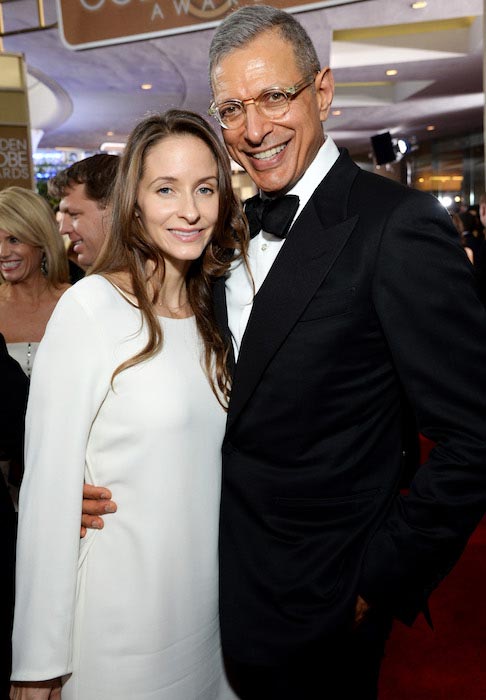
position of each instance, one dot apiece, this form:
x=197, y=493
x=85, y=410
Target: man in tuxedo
x=368, y=298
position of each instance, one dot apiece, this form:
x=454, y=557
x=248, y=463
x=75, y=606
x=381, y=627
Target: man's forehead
x=77, y=189
x=74, y=192
x=259, y=64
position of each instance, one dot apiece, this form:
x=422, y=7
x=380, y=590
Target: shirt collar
x=325, y=158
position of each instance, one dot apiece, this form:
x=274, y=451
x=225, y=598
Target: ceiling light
x=403, y=146
x=431, y=127
x=336, y=112
x=146, y=86
x=419, y=5
x=109, y=133
x=111, y=147
x=445, y=201
x=392, y=71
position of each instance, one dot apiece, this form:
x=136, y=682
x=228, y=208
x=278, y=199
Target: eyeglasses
x=272, y=103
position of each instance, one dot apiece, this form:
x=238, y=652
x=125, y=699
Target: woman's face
x=178, y=198
x=18, y=261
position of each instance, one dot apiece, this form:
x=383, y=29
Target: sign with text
x=15, y=162
x=88, y=23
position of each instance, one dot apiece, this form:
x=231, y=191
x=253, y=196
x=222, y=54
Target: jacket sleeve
x=70, y=379
x=435, y=327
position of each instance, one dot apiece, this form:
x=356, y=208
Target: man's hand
x=360, y=611
x=36, y=690
x=96, y=502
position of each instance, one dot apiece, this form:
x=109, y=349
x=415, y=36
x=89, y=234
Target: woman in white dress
x=129, y=390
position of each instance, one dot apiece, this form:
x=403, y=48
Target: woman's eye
x=14, y=239
x=205, y=189
x=164, y=190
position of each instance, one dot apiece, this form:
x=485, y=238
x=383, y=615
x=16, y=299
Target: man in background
x=84, y=190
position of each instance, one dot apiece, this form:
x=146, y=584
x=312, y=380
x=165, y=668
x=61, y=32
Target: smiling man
x=367, y=298
x=84, y=190
x=274, y=152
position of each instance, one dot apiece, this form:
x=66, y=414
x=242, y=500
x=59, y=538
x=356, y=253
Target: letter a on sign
x=88, y=23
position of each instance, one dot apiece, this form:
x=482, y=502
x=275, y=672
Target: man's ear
x=324, y=85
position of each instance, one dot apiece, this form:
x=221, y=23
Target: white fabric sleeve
x=71, y=377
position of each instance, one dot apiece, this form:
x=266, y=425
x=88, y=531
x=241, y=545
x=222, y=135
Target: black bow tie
x=274, y=216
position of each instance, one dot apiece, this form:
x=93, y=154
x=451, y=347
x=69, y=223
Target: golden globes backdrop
x=16, y=167
x=88, y=23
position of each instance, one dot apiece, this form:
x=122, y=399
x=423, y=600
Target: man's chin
x=272, y=182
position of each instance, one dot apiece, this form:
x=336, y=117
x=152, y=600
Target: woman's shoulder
x=93, y=296
x=92, y=290
x=96, y=297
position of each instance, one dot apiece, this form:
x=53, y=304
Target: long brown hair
x=127, y=247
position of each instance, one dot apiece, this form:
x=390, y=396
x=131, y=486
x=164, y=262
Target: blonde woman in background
x=33, y=276
x=33, y=271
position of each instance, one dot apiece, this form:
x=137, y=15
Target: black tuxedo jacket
x=480, y=268
x=370, y=296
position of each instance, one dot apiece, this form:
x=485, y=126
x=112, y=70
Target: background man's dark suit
x=480, y=267
x=15, y=386
x=370, y=294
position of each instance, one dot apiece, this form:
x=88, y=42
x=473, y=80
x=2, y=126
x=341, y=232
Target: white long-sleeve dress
x=129, y=612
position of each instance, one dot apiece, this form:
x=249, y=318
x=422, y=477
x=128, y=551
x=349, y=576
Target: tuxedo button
x=264, y=246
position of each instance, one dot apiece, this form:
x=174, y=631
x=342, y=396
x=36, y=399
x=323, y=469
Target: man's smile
x=269, y=153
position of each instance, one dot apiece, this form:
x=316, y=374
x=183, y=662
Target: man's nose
x=256, y=126
x=65, y=223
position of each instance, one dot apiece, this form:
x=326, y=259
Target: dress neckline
x=125, y=296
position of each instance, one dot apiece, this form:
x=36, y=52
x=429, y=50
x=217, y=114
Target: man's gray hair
x=245, y=24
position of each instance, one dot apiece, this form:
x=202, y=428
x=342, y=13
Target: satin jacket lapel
x=219, y=302
x=314, y=243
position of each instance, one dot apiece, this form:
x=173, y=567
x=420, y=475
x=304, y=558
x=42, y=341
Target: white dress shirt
x=265, y=247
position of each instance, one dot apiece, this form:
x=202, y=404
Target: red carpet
x=449, y=662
